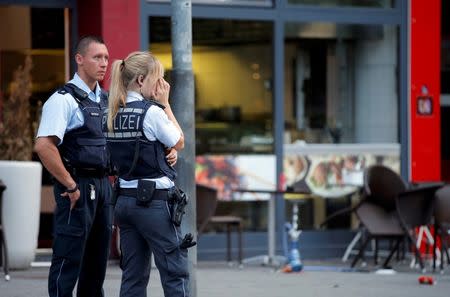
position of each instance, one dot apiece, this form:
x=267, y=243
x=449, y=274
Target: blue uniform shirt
x=61, y=113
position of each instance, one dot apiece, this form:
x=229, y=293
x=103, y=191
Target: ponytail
x=124, y=74
x=117, y=92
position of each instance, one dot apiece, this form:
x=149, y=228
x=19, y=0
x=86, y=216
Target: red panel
x=120, y=29
x=89, y=17
x=425, y=83
x=117, y=21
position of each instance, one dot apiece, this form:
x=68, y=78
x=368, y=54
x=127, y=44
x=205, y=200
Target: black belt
x=89, y=172
x=158, y=194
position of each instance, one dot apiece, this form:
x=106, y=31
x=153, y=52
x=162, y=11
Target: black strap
x=78, y=94
x=136, y=156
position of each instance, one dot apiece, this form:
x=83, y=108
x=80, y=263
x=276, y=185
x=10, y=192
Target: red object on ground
x=426, y=280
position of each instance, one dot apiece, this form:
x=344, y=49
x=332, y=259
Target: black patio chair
x=378, y=223
x=206, y=208
x=415, y=208
x=392, y=210
x=381, y=185
x=376, y=209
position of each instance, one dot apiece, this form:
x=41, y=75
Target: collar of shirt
x=82, y=85
x=134, y=96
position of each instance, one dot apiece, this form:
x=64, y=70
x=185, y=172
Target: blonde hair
x=124, y=73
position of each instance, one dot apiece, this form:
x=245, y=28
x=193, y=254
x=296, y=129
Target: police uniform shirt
x=61, y=114
x=157, y=126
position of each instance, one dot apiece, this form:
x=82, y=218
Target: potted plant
x=22, y=177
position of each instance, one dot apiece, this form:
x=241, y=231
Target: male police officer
x=72, y=147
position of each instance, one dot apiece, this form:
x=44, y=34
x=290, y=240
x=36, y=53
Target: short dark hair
x=85, y=41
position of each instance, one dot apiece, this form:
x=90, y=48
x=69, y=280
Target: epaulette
x=78, y=94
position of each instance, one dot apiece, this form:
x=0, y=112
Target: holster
x=179, y=201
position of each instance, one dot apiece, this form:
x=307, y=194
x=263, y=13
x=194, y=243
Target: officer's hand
x=161, y=92
x=73, y=197
x=171, y=156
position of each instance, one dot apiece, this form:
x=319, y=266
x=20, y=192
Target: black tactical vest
x=132, y=154
x=85, y=147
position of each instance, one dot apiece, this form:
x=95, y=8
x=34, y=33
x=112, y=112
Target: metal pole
x=278, y=67
x=182, y=102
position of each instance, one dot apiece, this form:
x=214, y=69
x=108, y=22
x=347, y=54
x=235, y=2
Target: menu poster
x=326, y=175
x=331, y=175
x=231, y=175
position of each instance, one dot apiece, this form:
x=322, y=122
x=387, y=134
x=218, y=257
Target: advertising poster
x=328, y=170
x=231, y=175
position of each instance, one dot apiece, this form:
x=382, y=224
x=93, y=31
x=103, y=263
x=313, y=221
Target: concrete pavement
x=220, y=280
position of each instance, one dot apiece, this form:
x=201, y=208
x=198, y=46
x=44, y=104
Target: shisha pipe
x=294, y=261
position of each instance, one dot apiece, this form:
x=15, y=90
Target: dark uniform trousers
x=146, y=230
x=81, y=240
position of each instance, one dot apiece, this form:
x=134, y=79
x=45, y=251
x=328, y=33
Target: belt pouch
x=145, y=191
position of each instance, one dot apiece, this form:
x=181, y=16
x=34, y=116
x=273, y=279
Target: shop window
x=37, y=33
x=232, y=65
x=340, y=81
x=341, y=110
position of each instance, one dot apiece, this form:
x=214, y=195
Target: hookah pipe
x=294, y=261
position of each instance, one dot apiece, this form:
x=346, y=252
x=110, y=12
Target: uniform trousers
x=81, y=239
x=145, y=231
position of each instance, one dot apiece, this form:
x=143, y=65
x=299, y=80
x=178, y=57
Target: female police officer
x=139, y=132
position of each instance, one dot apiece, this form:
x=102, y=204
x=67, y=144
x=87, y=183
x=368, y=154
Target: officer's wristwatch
x=72, y=190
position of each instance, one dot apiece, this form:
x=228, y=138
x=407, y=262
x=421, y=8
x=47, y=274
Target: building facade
x=287, y=92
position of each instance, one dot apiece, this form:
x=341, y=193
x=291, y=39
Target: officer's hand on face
x=72, y=196
x=171, y=156
x=161, y=91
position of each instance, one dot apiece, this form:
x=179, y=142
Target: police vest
x=133, y=155
x=85, y=147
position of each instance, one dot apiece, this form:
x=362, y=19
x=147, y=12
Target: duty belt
x=158, y=194
x=89, y=172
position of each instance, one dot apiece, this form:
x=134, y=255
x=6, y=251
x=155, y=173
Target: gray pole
x=182, y=102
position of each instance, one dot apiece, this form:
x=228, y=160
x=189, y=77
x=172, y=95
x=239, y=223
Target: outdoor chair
x=378, y=223
x=415, y=209
x=392, y=211
x=381, y=185
x=3, y=246
x=376, y=210
x=206, y=208
x=442, y=224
